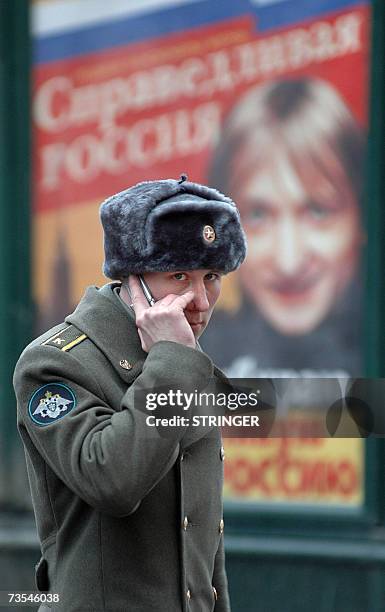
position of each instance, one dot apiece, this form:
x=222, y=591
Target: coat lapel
x=111, y=329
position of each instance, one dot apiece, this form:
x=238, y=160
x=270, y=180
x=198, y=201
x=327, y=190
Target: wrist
x=181, y=358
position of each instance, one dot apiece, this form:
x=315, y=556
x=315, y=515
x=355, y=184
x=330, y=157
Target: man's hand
x=163, y=321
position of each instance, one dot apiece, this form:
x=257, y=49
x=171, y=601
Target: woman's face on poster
x=304, y=236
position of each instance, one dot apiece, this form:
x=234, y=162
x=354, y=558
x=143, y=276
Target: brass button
x=185, y=523
x=222, y=454
x=125, y=364
x=221, y=526
x=215, y=593
x=188, y=594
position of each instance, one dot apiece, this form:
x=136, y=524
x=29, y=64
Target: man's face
x=205, y=284
x=303, y=242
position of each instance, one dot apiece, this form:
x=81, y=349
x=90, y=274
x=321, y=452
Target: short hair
x=302, y=117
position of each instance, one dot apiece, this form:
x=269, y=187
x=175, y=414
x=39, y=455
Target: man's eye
x=211, y=276
x=180, y=276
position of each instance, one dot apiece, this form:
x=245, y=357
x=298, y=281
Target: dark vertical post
x=15, y=292
x=374, y=329
x=375, y=202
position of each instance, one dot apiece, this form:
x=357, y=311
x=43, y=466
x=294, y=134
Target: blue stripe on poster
x=176, y=19
x=288, y=12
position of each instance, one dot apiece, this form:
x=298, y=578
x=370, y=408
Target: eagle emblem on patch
x=50, y=403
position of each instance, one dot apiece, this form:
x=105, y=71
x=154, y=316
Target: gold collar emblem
x=208, y=233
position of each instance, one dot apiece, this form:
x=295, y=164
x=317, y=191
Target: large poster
x=264, y=99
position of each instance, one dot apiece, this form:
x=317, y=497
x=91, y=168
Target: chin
x=197, y=331
x=298, y=320
x=295, y=327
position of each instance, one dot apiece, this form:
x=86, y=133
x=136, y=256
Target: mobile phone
x=146, y=290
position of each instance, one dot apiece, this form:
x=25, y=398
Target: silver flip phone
x=146, y=290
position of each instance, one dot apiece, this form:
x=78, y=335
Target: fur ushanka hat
x=161, y=226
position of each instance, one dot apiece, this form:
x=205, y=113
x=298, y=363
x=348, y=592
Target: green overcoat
x=129, y=520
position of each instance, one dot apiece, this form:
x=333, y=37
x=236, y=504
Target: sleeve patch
x=51, y=403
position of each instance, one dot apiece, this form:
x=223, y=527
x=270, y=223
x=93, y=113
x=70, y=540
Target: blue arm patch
x=51, y=403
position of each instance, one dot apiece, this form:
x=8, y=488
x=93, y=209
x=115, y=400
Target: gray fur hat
x=160, y=226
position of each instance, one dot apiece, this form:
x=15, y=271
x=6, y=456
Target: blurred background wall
x=279, y=103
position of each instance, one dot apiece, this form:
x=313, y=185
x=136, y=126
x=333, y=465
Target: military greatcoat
x=127, y=522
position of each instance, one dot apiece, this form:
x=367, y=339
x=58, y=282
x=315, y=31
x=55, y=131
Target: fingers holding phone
x=165, y=320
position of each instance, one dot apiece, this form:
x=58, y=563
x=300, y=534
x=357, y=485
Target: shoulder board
x=66, y=338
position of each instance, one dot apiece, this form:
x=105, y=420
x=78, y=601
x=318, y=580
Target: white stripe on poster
x=59, y=16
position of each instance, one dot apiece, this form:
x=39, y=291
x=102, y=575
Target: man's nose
x=200, y=301
x=289, y=248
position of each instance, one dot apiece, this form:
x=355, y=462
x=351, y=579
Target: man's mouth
x=195, y=323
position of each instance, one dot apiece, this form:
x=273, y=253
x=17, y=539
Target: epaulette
x=66, y=338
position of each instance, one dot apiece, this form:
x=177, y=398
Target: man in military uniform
x=130, y=519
